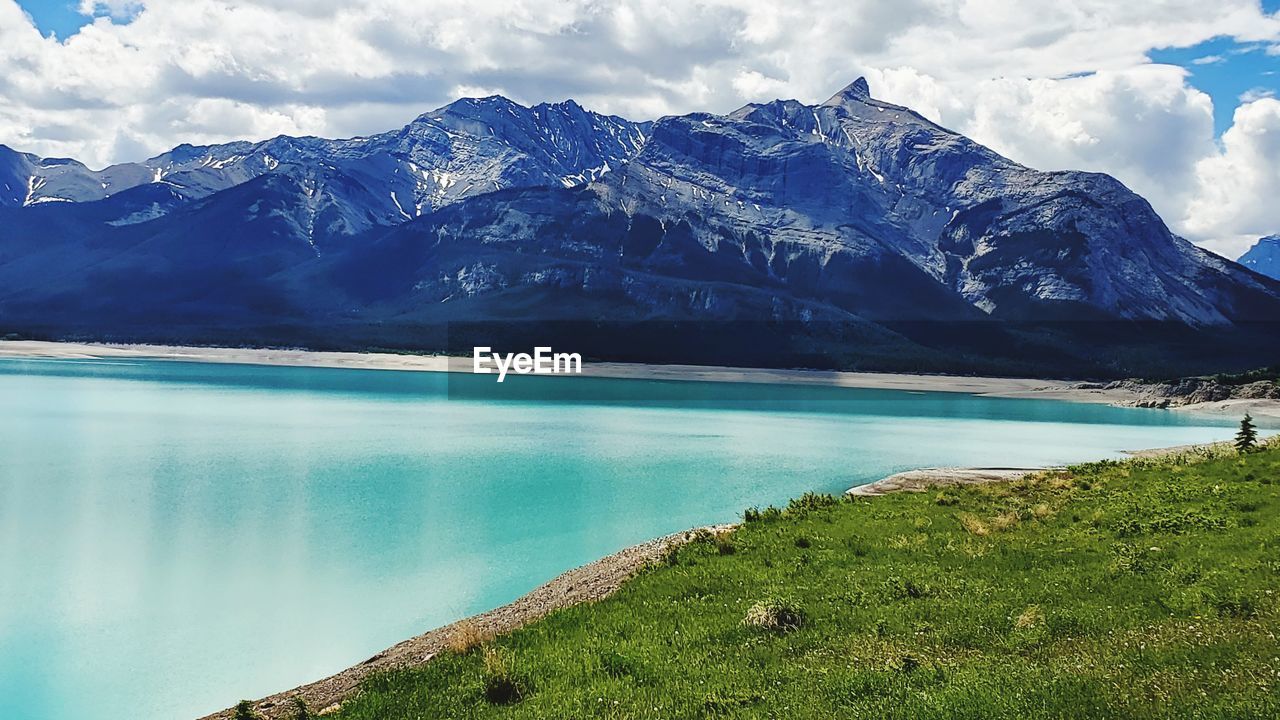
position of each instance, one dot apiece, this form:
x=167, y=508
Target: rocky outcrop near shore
x=1190, y=391
x=928, y=478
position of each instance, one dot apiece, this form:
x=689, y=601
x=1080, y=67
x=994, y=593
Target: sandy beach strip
x=925, y=479
x=39, y=349
x=928, y=478
x=1003, y=387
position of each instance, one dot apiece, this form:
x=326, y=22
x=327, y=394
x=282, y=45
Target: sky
x=1179, y=99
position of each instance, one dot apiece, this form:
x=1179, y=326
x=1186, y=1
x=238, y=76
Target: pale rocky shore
x=924, y=479
x=928, y=478
x=1124, y=393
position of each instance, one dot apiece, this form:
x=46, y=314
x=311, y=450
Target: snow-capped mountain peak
x=469, y=147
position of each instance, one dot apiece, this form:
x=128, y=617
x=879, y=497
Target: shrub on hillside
x=724, y=545
x=900, y=588
x=1235, y=604
x=722, y=541
x=617, y=665
x=946, y=498
x=774, y=616
x=467, y=636
x=811, y=501
x=755, y=514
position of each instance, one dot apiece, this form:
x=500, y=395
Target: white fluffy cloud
x=1053, y=83
x=1240, y=186
x=1144, y=125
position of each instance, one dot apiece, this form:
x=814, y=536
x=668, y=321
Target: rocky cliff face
x=1193, y=391
x=852, y=229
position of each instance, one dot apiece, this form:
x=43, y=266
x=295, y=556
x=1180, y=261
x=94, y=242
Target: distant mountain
x=345, y=187
x=853, y=233
x=1264, y=256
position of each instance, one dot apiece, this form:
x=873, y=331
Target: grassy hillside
x=1146, y=589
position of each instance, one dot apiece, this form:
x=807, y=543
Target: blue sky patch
x=60, y=17
x=1230, y=72
x=63, y=18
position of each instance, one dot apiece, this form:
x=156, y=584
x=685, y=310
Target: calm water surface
x=176, y=536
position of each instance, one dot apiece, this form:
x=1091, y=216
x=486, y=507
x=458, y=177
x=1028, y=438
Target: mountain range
x=853, y=233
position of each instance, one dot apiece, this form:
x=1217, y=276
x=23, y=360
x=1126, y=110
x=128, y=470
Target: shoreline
x=925, y=479
x=598, y=580
x=584, y=584
x=1017, y=388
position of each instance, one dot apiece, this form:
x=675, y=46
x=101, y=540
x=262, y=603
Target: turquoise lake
x=177, y=536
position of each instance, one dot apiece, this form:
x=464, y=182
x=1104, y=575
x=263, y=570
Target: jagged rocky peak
x=463, y=149
x=472, y=106
x=858, y=91
x=570, y=106
x=1270, y=241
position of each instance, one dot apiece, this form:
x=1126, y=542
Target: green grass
x=1145, y=589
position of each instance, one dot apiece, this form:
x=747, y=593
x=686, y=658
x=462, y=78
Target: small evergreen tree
x=1247, y=438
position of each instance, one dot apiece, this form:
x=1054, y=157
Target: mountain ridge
x=436, y=159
